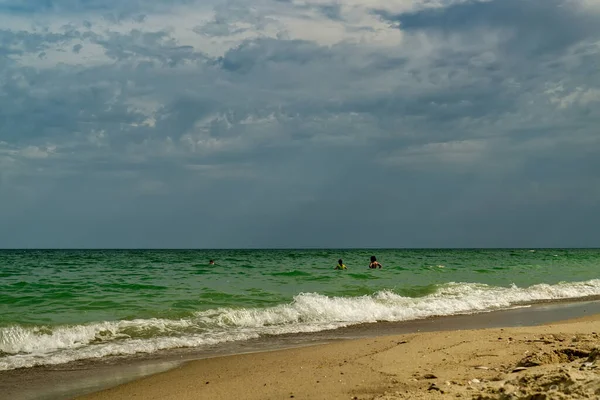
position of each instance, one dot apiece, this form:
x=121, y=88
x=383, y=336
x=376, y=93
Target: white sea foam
x=308, y=312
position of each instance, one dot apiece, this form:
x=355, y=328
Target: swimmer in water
x=374, y=263
x=211, y=262
x=340, y=265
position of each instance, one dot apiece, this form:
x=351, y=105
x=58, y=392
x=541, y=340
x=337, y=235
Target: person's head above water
x=211, y=262
x=373, y=258
x=340, y=261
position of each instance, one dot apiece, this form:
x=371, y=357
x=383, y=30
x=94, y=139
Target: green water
x=87, y=297
x=56, y=287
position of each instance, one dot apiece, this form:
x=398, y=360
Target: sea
x=59, y=306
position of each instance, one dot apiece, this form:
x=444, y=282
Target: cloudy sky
x=299, y=123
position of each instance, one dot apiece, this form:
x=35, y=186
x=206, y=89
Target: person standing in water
x=374, y=263
x=340, y=265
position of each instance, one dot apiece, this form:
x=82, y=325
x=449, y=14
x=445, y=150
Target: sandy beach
x=552, y=361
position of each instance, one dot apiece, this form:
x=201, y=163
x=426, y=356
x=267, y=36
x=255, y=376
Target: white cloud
x=578, y=96
x=36, y=152
x=458, y=153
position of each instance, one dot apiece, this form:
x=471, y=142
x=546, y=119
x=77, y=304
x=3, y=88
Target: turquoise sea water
x=58, y=306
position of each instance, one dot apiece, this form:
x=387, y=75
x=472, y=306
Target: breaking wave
x=27, y=346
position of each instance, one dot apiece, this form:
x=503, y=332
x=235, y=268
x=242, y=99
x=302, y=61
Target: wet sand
x=382, y=361
x=557, y=361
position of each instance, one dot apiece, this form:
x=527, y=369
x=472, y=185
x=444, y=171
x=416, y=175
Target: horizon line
x=291, y=248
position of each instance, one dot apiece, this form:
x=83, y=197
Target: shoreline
x=80, y=378
x=549, y=361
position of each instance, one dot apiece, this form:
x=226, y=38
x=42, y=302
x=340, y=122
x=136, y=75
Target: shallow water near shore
x=59, y=306
x=77, y=378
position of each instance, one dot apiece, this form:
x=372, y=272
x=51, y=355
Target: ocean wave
x=27, y=346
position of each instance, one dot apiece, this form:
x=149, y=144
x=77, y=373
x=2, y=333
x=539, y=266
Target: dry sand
x=557, y=361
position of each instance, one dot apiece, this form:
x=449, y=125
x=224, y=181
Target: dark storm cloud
x=535, y=26
x=259, y=53
x=472, y=124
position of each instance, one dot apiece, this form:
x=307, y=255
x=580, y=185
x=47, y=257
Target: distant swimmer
x=340, y=265
x=374, y=263
x=211, y=262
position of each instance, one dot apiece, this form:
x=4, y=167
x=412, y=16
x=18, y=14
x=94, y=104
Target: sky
x=299, y=123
